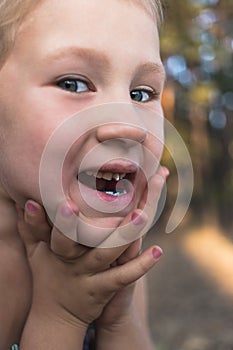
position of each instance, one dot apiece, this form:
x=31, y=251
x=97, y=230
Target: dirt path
x=191, y=291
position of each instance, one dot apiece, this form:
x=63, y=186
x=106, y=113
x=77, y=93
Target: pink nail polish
x=30, y=207
x=157, y=253
x=137, y=219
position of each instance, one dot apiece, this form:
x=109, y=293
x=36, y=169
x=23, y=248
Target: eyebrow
x=90, y=55
x=100, y=60
x=152, y=68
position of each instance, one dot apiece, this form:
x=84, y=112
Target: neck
x=8, y=215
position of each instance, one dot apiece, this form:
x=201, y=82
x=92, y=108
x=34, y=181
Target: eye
x=143, y=95
x=74, y=85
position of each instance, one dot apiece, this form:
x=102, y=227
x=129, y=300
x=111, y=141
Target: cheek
x=153, y=146
x=158, y=146
x=156, y=138
x=21, y=149
x=154, y=123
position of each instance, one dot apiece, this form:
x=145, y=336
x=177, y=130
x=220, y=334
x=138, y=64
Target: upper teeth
x=106, y=175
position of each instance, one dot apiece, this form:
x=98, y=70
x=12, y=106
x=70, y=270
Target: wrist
x=46, y=329
x=52, y=311
x=128, y=333
x=116, y=323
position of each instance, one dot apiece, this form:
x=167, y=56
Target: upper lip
x=120, y=167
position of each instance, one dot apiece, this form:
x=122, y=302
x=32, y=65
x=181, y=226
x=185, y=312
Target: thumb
x=32, y=223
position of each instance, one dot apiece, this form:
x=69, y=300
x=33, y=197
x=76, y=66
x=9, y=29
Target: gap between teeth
x=107, y=175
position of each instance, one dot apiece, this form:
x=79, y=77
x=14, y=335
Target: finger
x=22, y=229
x=63, y=236
x=130, y=229
x=131, y=252
x=150, y=200
x=36, y=220
x=20, y=213
x=113, y=247
x=32, y=224
x=156, y=184
x=121, y=276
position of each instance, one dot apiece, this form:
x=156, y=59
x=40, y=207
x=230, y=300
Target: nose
x=121, y=131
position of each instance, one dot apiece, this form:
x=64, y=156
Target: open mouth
x=114, y=184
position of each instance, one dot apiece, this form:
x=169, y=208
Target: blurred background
x=191, y=289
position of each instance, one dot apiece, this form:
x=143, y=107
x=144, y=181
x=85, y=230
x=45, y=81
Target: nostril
x=143, y=139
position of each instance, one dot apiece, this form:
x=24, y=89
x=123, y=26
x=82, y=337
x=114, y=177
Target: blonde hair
x=13, y=12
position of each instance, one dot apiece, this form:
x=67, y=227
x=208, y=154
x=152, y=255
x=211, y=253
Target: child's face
x=70, y=55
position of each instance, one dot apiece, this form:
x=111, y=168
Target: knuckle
x=121, y=281
x=99, y=257
x=143, y=268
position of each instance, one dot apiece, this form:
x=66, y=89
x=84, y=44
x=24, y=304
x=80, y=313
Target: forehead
x=90, y=23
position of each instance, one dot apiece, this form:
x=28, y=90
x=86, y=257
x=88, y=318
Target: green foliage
x=197, y=49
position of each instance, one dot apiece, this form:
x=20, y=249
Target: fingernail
x=31, y=207
x=66, y=212
x=157, y=253
x=137, y=219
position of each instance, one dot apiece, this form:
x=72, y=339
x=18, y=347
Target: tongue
x=105, y=185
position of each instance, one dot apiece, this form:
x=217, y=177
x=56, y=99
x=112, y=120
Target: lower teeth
x=115, y=193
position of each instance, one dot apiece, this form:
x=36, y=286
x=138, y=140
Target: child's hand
x=74, y=284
